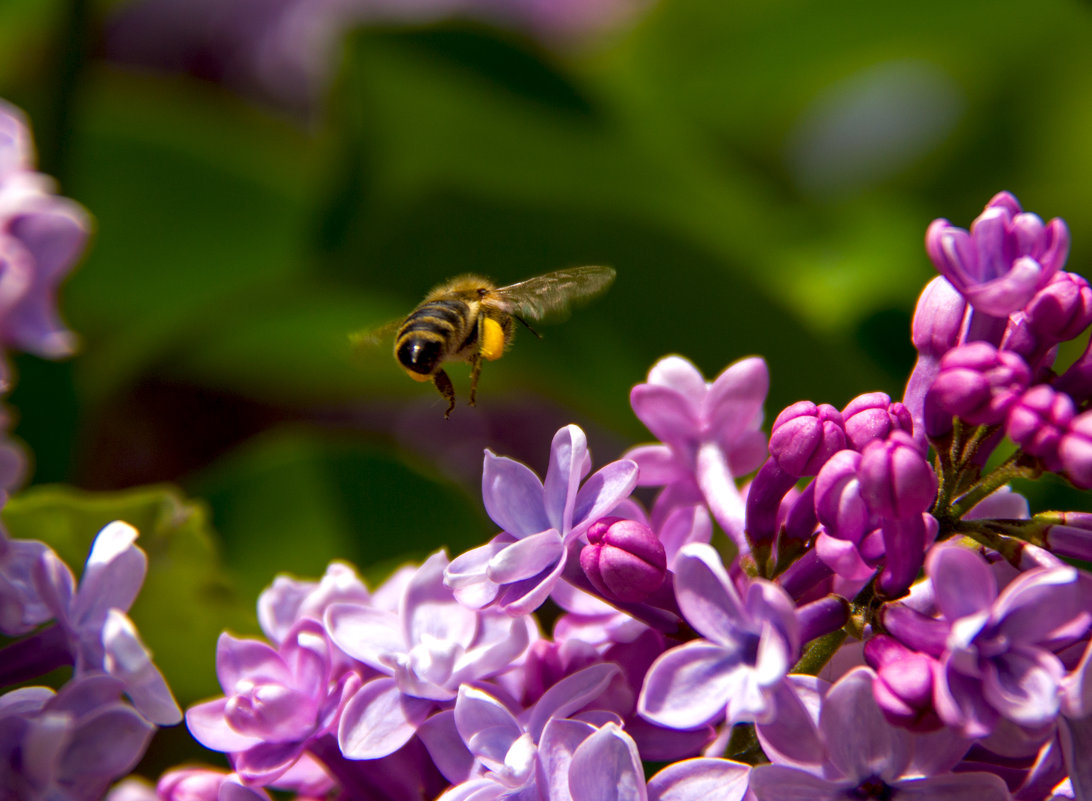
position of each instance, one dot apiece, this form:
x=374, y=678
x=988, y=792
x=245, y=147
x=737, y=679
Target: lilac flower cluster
x=880, y=616
x=41, y=238
x=75, y=741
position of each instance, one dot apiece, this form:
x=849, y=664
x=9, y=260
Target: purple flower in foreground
x=21, y=608
x=423, y=655
x=41, y=238
x=1007, y=256
x=979, y=383
x=275, y=702
x=69, y=745
x=853, y=753
x=749, y=643
x=203, y=784
x=100, y=637
x=491, y=753
x=709, y=433
x=996, y=649
x=624, y=560
x=540, y=521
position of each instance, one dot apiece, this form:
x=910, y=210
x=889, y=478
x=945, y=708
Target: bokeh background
x=268, y=176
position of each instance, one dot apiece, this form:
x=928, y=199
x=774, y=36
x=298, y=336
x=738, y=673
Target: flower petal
x=364, y=633
x=689, y=685
x=527, y=557
x=607, y=765
x=860, y=742
x=701, y=777
x=962, y=581
x=608, y=487
x=782, y=783
x=513, y=496
x=569, y=463
x=379, y=719
x=667, y=414
x=706, y=595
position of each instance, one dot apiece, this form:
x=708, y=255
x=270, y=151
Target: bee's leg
x=475, y=371
x=443, y=384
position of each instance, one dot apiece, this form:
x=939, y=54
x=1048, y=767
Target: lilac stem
x=36, y=655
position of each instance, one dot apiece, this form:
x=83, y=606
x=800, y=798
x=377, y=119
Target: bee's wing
x=551, y=295
x=370, y=338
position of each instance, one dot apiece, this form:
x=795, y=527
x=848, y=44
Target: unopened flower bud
x=1075, y=450
x=624, y=560
x=838, y=502
x=938, y=318
x=903, y=687
x=1037, y=421
x=896, y=480
x=874, y=416
x=804, y=436
x=978, y=383
x=1062, y=309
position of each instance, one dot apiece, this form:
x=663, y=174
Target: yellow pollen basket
x=492, y=339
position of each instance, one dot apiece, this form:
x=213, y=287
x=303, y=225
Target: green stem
x=990, y=484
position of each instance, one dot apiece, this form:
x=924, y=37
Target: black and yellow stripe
x=433, y=331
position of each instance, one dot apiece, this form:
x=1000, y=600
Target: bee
x=470, y=319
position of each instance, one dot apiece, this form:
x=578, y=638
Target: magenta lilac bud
x=978, y=383
x=838, y=502
x=804, y=436
x=1037, y=421
x=1075, y=450
x=896, y=480
x=903, y=686
x=1007, y=256
x=938, y=319
x=874, y=416
x=1062, y=309
x=624, y=560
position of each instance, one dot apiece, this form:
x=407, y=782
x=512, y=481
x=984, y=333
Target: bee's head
x=419, y=356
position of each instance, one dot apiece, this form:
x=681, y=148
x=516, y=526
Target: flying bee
x=469, y=319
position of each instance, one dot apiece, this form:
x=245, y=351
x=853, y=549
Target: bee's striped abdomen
x=435, y=329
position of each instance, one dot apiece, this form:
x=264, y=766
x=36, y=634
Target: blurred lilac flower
x=854, y=753
x=21, y=608
x=100, y=637
x=1075, y=725
x=624, y=559
x=996, y=649
x=540, y=522
x=284, y=51
x=423, y=654
x=1075, y=450
x=709, y=433
x=1007, y=256
x=275, y=702
x=1062, y=309
x=904, y=683
x=748, y=645
x=41, y=238
x=69, y=745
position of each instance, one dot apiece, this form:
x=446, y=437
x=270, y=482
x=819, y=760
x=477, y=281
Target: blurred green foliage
x=760, y=175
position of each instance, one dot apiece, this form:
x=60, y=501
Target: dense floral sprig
x=880, y=615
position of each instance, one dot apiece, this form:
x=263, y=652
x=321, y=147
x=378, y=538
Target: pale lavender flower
x=289, y=600
x=748, y=645
x=21, y=608
x=276, y=702
x=69, y=745
x=1007, y=256
x=700, y=779
x=709, y=434
x=488, y=751
x=422, y=655
x=100, y=637
x=541, y=521
x=996, y=648
x=41, y=238
x=850, y=751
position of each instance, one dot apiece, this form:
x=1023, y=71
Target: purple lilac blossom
x=41, y=239
x=541, y=522
x=420, y=656
x=709, y=435
x=68, y=745
x=748, y=644
x=276, y=701
x=100, y=637
x=1037, y=420
x=624, y=559
x=851, y=751
x=1007, y=256
x=979, y=383
x=995, y=648
x=202, y=784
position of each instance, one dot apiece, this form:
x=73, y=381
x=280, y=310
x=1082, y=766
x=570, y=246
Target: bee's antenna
x=527, y=326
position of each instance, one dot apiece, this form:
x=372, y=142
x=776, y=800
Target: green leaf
x=187, y=599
